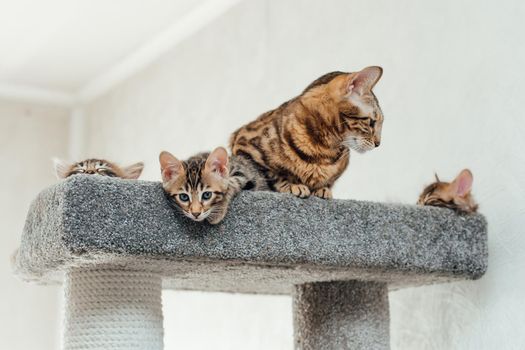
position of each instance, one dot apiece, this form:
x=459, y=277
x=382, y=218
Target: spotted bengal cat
x=303, y=145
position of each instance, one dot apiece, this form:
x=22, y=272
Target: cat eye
x=206, y=195
x=184, y=197
x=372, y=123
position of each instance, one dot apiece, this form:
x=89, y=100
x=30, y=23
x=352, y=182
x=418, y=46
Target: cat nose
x=196, y=214
x=377, y=143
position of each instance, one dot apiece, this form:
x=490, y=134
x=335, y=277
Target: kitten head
x=355, y=108
x=454, y=195
x=97, y=167
x=197, y=186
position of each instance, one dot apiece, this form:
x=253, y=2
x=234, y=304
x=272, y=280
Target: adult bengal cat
x=302, y=147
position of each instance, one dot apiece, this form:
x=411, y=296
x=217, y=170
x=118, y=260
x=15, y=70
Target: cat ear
x=61, y=168
x=170, y=167
x=462, y=184
x=218, y=162
x=364, y=80
x=133, y=171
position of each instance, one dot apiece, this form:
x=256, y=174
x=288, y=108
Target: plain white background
x=451, y=93
x=28, y=136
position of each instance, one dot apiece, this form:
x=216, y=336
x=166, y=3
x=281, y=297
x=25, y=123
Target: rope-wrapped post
x=341, y=316
x=112, y=308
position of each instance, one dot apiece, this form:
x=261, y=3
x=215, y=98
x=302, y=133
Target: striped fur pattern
x=302, y=147
x=95, y=166
x=455, y=195
x=203, y=186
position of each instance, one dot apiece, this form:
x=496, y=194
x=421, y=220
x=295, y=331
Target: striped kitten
x=97, y=166
x=303, y=145
x=454, y=195
x=203, y=186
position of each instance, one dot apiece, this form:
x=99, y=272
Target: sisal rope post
x=344, y=315
x=111, y=308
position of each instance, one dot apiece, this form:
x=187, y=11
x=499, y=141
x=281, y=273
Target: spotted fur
x=302, y=147
x=203, y=186
x=455, y=195
x=97, y=167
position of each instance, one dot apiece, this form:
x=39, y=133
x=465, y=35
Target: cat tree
x=116, y=243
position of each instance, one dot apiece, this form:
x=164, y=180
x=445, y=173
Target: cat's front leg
x=299, y=190
x=218, y=214
x=324, y=192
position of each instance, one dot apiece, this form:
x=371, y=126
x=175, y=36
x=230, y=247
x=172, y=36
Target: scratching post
x=113, y=241
x=112, y=308
x=349, y=315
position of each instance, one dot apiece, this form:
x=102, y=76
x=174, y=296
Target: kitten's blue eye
x=206, y=195
x=184, y=197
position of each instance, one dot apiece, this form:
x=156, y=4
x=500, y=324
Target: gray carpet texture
x=267, y=243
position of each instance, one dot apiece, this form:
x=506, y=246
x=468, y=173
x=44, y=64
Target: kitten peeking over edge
x=453, y=195
x=97, y=167
x=203, y=186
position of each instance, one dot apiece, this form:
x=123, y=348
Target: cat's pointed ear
x=363, y=81
x=133, y=171
x=170, y=167
x=61, y=168
x=462, y=184
x=218, y=162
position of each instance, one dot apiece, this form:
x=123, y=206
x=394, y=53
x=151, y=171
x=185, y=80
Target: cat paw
x=301, y=191
x=217, y=216
x=324, y=193
x=215, y=220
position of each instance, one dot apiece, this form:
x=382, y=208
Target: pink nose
x=195, y=214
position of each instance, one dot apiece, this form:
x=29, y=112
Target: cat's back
x=267, y=126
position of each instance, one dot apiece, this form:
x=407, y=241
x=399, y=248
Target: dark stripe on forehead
x=193, y=176
x=194, y=167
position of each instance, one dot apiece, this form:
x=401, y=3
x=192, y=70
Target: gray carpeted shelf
x=268, y=242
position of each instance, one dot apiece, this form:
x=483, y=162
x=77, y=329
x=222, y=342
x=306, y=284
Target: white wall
x=29, y=137
x=451, y=94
